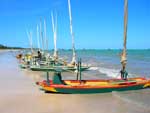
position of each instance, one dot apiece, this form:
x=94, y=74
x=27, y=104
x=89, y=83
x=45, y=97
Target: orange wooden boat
x=56, y=85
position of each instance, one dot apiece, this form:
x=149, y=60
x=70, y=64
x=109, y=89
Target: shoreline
x=7, y=50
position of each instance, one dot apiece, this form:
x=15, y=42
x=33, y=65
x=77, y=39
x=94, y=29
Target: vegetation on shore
x=6, y=47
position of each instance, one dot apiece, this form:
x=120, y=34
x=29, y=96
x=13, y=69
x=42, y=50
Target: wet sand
x=19, y=94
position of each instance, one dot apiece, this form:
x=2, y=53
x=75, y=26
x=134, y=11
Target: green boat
x=23, y=66
x=55, y=67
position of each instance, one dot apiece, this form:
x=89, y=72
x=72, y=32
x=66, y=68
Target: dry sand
x=19, y=94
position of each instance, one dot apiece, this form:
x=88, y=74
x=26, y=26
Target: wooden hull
x=54, y=68
x=95, y=86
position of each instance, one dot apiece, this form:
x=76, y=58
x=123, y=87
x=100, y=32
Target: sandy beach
x=19, y=94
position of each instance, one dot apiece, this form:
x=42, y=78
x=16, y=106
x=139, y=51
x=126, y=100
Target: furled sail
x=73, y=62
x=54, y=27
x=123, y=56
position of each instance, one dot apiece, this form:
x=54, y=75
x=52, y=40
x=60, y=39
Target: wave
x=114, y=73
x=93, y=68
x=110, y=72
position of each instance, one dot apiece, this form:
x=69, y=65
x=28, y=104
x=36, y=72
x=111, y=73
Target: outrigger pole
x=80, y=69
x=79, y=74
x=72, y=35
x=124, y=53
x=54, y=27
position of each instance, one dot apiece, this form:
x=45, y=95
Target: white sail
x=72, y=35
x=54, y=27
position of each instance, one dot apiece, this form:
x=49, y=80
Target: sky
x=97, y=24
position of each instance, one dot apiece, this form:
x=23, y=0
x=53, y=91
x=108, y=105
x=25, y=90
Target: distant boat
x=56, y=67
x=55, y=62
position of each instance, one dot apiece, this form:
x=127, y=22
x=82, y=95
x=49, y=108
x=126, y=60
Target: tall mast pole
x=124, y=53
x=41, y=35
x=30, y=40
x=38, y=40
x=54, y=27
x=72, y=35
x=45, y=36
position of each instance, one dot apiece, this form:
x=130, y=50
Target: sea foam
x=114, y=73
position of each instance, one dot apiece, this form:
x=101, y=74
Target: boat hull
x=23, y=66
x=89, y=87
x=94, y=90
x=54, y=68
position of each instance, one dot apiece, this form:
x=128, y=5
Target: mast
x=54, y=27
x=124, y=53
x=72, y=35
x=45, y=36
x=41, y=34
x=30, y=40
x=38, y=40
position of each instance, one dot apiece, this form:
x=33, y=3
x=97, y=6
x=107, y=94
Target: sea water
x=108, y=61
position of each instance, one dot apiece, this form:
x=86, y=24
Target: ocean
x=108, y=61
x=20, y=88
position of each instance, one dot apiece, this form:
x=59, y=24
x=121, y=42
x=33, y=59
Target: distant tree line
x=6, y=47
